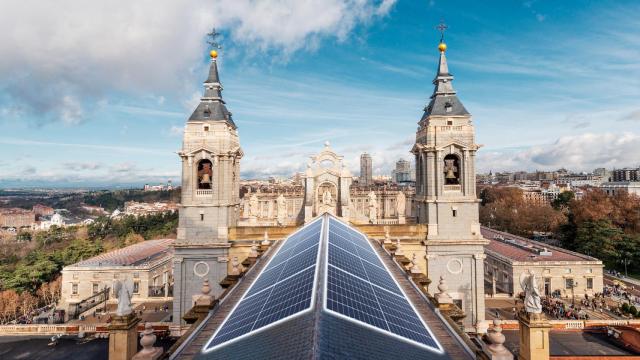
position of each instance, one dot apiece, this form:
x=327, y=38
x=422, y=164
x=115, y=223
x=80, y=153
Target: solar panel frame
x=252, y=298
x=436, y=347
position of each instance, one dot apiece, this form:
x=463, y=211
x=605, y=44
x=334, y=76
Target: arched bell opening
x=205, y=174
x=451, y=170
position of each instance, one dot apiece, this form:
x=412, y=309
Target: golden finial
x=213, y=43
x=442, y=27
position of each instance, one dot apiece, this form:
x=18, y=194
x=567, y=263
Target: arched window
x=451, y=170
x=205, y=174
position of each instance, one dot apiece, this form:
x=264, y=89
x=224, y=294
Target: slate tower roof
x=212, y=106
x=444, y=101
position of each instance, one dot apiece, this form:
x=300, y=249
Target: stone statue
x=281, y=209
x=373, y=207
x=532, y=303
x=327, y=199
x=253, y=205
x=124, y=292
x=401, y=203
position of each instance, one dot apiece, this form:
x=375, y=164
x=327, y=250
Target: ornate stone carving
x=496, y=339
x=253, y=206
x=401, y=202
x=254, y=250
x=415, y=268
x=443, y=296
x=281, y=209
x=373, y=207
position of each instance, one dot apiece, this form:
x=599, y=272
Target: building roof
x=517, y=248
x=212, y=106
x=444, y=101
x=337, y=319
x=134, y=255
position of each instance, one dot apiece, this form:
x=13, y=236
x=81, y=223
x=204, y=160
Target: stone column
x=123, y=337
x=534, y=337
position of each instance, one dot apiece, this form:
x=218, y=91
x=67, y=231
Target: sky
x=97, y=93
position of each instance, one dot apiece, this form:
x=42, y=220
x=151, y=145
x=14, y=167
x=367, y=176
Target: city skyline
x=105, y=116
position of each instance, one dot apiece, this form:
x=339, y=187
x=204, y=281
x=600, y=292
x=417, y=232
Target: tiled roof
x=521, y=249
x=133, y=255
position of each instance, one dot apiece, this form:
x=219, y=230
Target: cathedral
x=435, y=224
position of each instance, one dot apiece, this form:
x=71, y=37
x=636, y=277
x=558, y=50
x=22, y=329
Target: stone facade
x=271, y=204
x=148, y=264
x=561, y=272
x=210, y=202
x=16, y=218
x=327, y=184
x=446, y=200
x=290, y=203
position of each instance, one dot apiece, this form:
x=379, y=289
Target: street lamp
x=626, y=262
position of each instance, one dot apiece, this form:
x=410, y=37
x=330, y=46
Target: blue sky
x=97, y=95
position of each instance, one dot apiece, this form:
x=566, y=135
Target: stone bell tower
x=210, y=159
x=446, y=201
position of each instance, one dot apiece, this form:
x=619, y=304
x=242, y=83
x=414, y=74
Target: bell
x=450, y=174
x=206, y=179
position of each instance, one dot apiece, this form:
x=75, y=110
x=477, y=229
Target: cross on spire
x=442, y=27
x=212, y=39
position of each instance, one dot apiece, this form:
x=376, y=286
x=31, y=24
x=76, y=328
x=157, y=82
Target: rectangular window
x=590, y=283
x=136, y=287
x=95, y=288
x=74, y=289
x=568, y=283
x=455, y=212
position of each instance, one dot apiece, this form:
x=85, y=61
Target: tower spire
x=444, y=100
x=212, y=106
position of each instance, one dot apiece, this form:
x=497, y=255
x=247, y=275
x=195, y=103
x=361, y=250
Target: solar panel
x=371, y=297
x=358, y=287
x=283, y=289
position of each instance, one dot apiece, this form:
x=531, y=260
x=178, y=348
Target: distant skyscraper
x=366, y=169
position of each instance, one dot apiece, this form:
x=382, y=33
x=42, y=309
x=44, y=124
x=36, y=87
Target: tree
x=563, y=200
x=599, y=239
x=9, y=300
x=28, y=303
x=506, y=209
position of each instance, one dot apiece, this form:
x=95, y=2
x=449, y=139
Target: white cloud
x=71, y=111
x=582, y=152
x=70, y=52
x=176, y=130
